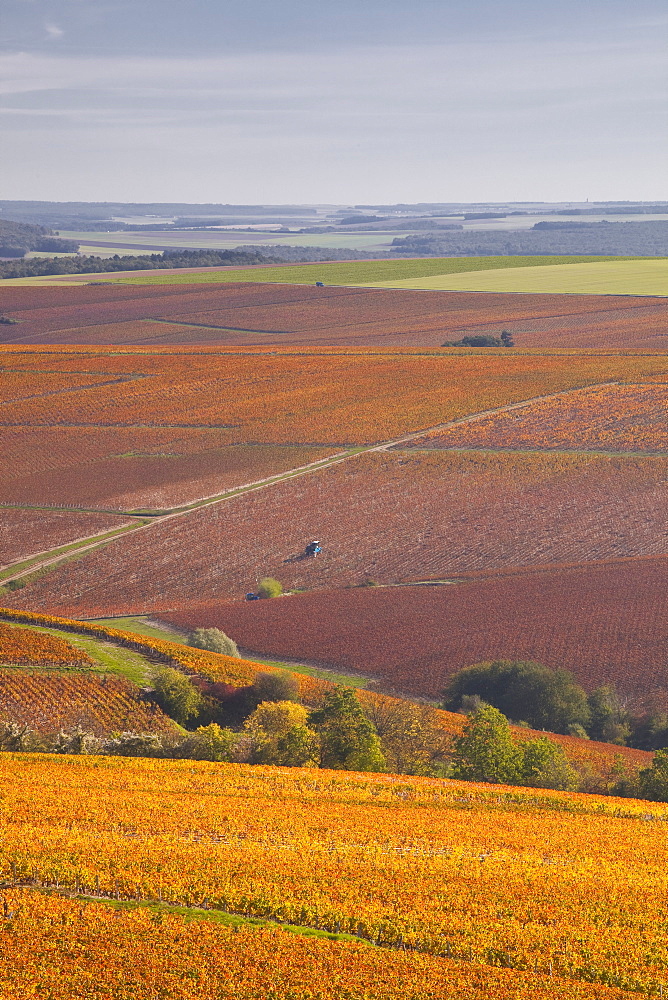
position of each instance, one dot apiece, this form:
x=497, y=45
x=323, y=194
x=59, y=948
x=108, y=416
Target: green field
x=220, y=239
x=610, y=277
x=365, y=272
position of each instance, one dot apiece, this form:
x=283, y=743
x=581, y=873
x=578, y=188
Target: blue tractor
x=312, y=548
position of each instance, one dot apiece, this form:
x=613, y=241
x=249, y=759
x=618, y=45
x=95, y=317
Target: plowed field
x=607, y=418
x=286, y=314
x=385, y=517
x=605, y=622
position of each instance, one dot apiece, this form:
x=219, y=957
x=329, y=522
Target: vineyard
x=249, y=314
x=605, y=418
x=382, y=517
x=49, y=702
x=202, y=958
x=544, y=883
x=162, y=429
x=21, y=646
x=608, y=623
x=24, y=532
x=310, y=398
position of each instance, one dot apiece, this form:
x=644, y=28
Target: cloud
x=53, y=31
x=458, y=121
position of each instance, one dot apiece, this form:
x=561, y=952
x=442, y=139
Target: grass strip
x=190, y=913
x=110, y=659
x=360, y=271
x=17, y=569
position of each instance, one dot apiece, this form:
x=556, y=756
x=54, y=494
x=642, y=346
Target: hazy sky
x=248, y=101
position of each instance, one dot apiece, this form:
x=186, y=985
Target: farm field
x=49, y=702
x=332, y=272
x=609, y=277
x=168, y=428
x=26, y=532
x=247, y=314
x=540, y=882
x=607, y=622
x=21, y=647
x=159, y=950
x=384, y=517
x=608, y=418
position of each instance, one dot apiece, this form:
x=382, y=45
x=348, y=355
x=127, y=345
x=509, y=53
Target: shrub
x=269, y=587
x=210, y=742
x=544, y=765
x=275, y=687
x=280, y=735
x=653, y=780
x=214, y=640
x=177, y=696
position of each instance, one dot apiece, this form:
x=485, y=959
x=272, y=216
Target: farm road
x=40, y=561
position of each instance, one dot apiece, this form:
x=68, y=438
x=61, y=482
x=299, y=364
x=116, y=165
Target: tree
x=507, y=338
x=269, y=587
x=177, y=696
x=609, y=721
x=210, y=743
x=412, y=736
x=523, y=691
x=485, y=750
x=276, y=686
x=349, y=740
x=544, y=765
x=280, y=735
x=653, y=780
x=214, y=640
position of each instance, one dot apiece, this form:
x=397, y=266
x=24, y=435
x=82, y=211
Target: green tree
x=544, y=765
x=349, y=740
x=281, y=736
x=485, y=751
x=177, y=696
x=269, y=587
x=210, y=742
x=214, y=640
x=609, y=721
x=653, y=780
x=523, y=691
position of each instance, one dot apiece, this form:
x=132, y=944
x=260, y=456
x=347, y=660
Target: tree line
x=265, y=723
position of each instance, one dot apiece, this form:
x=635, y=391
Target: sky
x=333, y=101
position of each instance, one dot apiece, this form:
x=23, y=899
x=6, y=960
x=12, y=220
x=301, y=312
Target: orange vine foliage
x=25, y=646
x=49, y=702
x=314, y=397
x=136, y=955
x=517, y=878
x=605, y=418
